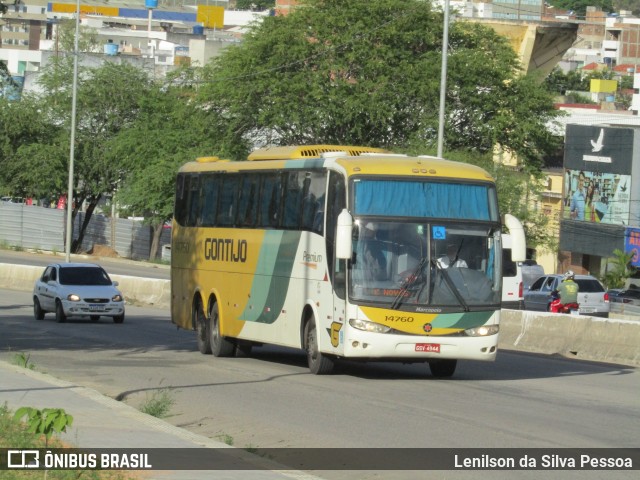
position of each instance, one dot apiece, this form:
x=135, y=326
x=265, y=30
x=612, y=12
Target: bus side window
x=194, y=201
x=181, y=205
x=292, y=200
x=313, y=202
x=247, y=204
x=228, y=201
x=210, y=188
x=269, y=204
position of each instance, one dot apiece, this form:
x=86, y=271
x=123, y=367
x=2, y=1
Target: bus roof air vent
x=296, y=152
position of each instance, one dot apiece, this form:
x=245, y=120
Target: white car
x=77, y=289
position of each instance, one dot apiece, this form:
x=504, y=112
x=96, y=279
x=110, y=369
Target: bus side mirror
x=518, y=241
x=344, y=232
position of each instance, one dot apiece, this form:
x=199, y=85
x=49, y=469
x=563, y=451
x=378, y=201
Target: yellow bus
x=344, y=252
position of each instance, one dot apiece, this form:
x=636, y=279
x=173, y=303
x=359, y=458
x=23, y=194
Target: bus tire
x=319, y=363
x=242, y=349
x=202, y=329
x=220, y=346
x=443, y=368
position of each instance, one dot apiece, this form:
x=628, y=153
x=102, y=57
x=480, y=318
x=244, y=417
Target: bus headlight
x=483, y=331
x=368, y=326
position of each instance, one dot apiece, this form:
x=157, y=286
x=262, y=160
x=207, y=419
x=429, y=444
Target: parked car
x=629, y=297
x=11, y=200
x=77, y=289
x=592, y=296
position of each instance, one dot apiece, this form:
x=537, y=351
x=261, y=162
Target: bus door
x=335, y=203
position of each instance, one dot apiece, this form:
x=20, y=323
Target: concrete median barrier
x=589, y=338
x=144, y=291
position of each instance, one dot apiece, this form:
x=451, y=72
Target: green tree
x=560, y=82
x=31, y=152
x=169, y=131
x=5, y=78
x=258, y=5
x=621, y=269
x=365, y=72
x=88, y=40
x=632, y=5
x=580, y=6
x=108, y=101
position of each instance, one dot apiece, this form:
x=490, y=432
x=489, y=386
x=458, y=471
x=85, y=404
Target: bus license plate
x=428, y=347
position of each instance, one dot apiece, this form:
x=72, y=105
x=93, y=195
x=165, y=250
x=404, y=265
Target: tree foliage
x=38, y=139
x=579, y=7
x=170, y=130
x=31, y=150
x=257, y=5
x=621, y=269
x=560, y=82
x=46, y=421
x=365, y=72
x=356, y=72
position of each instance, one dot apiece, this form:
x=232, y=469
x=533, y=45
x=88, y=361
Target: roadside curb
x=121, y=409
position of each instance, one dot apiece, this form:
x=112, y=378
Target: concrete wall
x=586, y=338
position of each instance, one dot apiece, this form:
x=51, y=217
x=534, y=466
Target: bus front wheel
x=220, y=346
x=443, y=368
x=318, y=362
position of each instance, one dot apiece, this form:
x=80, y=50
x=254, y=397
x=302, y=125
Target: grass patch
x=14, y=434
x=226, y=438
x=158, y=404
x=23, y=360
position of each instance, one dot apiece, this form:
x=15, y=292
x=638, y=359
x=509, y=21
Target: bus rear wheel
x=443, y=368
x=318, y=362
x=220, y=346
x=202, y=330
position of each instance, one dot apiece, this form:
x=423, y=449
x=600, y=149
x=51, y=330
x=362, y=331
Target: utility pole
x=74, y=96
x=443, y=77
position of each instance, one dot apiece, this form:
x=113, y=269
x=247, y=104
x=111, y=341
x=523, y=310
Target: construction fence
x=40, y=228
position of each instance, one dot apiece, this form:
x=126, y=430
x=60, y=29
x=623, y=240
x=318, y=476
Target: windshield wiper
x=409, y=281
x=451, y=285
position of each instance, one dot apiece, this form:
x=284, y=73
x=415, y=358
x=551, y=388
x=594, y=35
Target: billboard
x=597, y=174
x=632, y=245
x=596, y=197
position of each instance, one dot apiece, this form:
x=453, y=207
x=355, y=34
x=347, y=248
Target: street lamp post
x=443, y=78
x=74, y=96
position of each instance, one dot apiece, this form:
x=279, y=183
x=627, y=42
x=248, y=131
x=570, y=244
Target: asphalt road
x=271, y=400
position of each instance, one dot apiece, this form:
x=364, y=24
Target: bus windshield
x=440, y=265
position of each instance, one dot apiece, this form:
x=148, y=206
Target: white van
x=516, y=276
